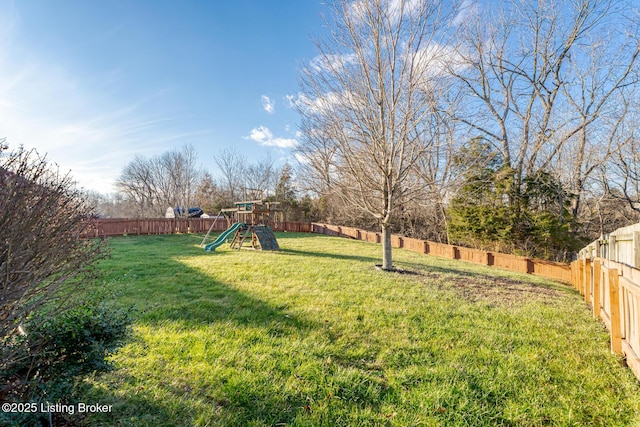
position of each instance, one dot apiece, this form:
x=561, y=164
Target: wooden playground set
x=249, y=226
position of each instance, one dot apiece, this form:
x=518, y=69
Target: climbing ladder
x=262, y=238
x=266, y=238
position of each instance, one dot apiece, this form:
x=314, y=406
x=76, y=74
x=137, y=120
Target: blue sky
x=92, y=83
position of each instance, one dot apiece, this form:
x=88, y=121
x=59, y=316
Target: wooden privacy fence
x=553, y=270
x=124, y=226
x=607, y=273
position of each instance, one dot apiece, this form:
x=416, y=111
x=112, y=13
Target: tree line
x=504, y=126
x=175, y=179
x=501, y=125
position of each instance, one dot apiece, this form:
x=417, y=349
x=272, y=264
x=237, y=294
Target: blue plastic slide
x=223, y=237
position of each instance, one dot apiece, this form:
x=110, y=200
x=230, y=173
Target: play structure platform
x=250, y=229
x=259, y=237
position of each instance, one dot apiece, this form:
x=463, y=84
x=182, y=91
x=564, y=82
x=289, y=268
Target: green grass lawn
x=313, y=335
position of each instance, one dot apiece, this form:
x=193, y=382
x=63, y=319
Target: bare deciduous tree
x=170, y=179
x=545, y=83
x=184, y=174
x=621, y=176
x=137, y=183
x=232, y=165
x=372, y=92
x=260, y=179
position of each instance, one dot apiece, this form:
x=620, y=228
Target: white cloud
x=325, y=103
x=467, y=10
x=263, y=136
x=359, y=10
x=300, y=158
x=268, y=104
x=332, y=62
x=260, y=134
x=282, y=143
x=291, y=100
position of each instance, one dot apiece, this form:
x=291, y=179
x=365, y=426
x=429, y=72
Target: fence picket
x=616, y=333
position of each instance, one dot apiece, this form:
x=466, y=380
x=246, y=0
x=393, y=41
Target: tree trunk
x=387, y=263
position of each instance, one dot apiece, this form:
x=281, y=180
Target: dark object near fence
x=192, y=212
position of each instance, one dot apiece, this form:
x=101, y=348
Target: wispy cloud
x=332, y=62
x=46, y=105
x=395, y=9
x=263, y=136
x=323, y=104
x=268, y=104
x=467, y=10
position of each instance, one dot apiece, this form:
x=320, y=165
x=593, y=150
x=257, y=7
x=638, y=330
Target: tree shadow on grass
x=137, y=409
x=223, y=403
x=154, y=277
x=298, y=252
x=168, y=290
x=495, y=285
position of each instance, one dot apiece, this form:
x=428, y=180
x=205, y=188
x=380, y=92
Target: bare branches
x=170, y=179
x=547, y=83
x=369, y=100
x=42, y=256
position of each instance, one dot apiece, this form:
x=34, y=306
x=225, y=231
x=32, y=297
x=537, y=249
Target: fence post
x=530, y=266
x=614, y=295
x=581, y=276
x=587, y=281
x=596, y=288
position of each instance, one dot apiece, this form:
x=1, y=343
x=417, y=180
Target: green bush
x=493, y=211
x=60, y=351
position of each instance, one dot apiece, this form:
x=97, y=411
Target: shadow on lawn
x=193, y=298
x=228, y=403
x=137, y=409
x=165, y=289
x=330, y=255
x=169, y=291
